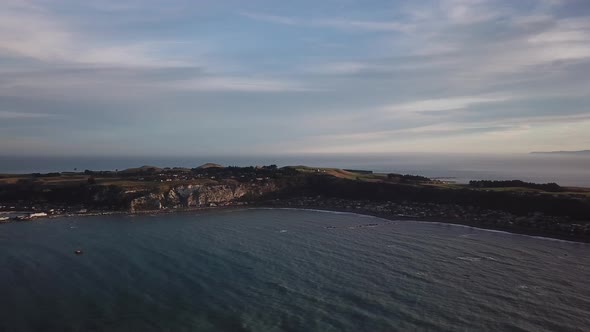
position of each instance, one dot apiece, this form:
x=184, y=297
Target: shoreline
x=543, y=236
x=357, y=211
x=545, y=210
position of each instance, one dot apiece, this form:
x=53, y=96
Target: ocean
x=567, y=170
x=285, y=270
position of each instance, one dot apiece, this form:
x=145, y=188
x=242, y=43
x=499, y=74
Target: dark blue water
x=285, y=270
x=568, y=170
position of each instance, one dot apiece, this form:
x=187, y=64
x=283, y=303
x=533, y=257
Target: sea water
x=285, y=270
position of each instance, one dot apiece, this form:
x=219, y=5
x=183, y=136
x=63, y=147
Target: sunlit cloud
x=442, y=104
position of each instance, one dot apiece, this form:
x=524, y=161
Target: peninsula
x=515, y=206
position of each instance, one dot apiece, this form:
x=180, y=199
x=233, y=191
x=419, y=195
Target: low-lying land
x=539, y=209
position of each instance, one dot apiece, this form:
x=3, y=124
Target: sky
x=225, y=77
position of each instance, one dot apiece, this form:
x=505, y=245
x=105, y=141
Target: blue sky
x=182, y=77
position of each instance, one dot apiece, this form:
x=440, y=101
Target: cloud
x=131, y=83
x=470, y=11
x=422, y=135
x=35, y=33
x=538, y=42
x=377, y=76
x=354, y=25
x=333, y=23
x=53, y=56
x=449, y=137
x=345, y=67
x=490, y=53
x=442, y=104
x=31, y=34
x=7, y=115
x=271, y=18
x=235, y=84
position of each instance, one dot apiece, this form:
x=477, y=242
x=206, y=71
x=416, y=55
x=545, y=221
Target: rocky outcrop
x=194, y=196
x=148, y=202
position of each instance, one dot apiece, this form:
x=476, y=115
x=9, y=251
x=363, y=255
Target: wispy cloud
x=39, y=35
x=236, y=84
x=470, y=11
x=133, y=83
x=449, y=137
x=442, y=104
x=68, y=59
x=271, y=18
x=353, y=25
x=7, y=115
x=333, y=23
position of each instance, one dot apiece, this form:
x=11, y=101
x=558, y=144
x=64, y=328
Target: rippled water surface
x=285, y=270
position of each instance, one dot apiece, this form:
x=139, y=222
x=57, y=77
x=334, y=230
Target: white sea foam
x=470, y=259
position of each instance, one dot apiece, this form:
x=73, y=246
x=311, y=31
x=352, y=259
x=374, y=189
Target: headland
x=515, y=206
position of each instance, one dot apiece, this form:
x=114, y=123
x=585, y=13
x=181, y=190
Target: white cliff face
x=148, y=202
x=191, y=196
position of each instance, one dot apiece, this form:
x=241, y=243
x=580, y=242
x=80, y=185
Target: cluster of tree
x=46, y=175
x=407, y=178
x=417, y=178
x=271, y=171
x=69, y=196
x=360, y=171
x=553, y=187
x=101, y=173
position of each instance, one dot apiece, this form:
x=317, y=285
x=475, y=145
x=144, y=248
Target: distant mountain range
x=581, y=152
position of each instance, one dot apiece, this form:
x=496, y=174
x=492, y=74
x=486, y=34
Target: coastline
x=546, y=210
x=529, y=232
x=538, y=235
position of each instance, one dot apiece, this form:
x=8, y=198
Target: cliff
x=193, y=196
x=71, y=198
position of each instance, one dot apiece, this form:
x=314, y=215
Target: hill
x=142, y=169
x=209, y=165
x=580, y=152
